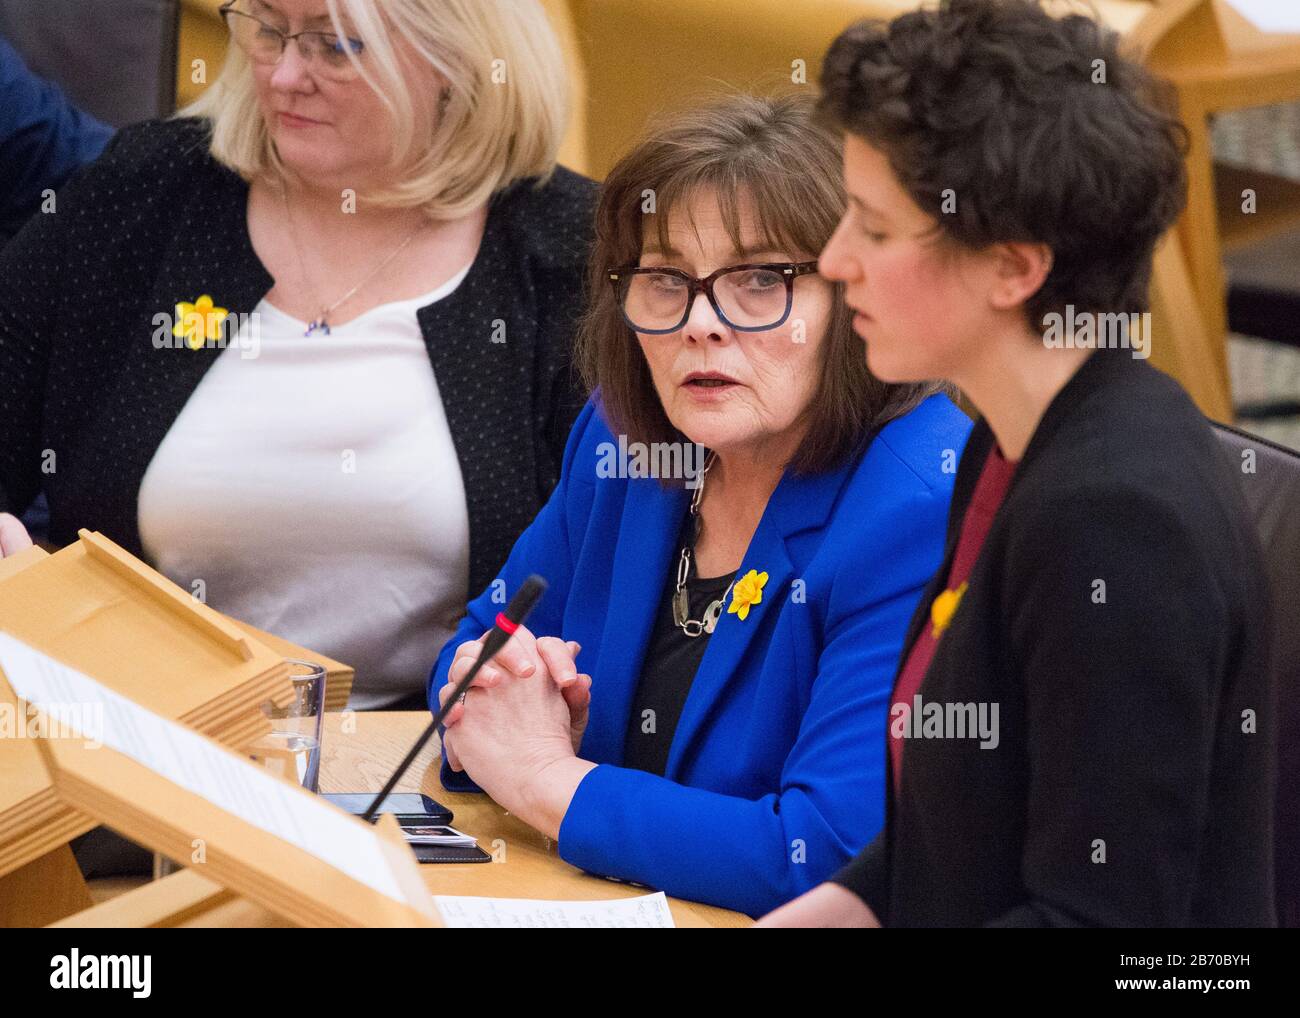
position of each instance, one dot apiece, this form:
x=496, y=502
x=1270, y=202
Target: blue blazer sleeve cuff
x=456, y=781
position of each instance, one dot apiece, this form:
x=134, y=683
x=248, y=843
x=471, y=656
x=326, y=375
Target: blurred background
x=1226, y=293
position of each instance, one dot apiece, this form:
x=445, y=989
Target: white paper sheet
x=1270, y=15
x=648, y=912
x=188, y=759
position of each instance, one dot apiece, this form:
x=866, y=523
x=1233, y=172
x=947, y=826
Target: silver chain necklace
x=321, y=321
x=708, y=622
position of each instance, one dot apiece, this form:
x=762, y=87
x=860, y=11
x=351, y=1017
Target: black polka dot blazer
x=86, y=397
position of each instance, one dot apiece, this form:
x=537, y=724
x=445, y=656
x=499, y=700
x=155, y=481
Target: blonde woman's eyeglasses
x=328, y=54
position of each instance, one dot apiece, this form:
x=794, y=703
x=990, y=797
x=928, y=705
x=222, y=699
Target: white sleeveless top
x=313, y=491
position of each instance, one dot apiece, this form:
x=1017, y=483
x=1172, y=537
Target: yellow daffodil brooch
x=198, y=322
x=748, y=591
x=943, y=606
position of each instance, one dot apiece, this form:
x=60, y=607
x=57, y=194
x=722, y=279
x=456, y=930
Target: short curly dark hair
x=1042, y=130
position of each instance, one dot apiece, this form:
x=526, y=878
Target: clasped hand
x=526, y=710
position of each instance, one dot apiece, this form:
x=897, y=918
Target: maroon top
x=990, y=490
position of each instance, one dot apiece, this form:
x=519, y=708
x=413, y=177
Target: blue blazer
x=775, y=776
x=43, y=140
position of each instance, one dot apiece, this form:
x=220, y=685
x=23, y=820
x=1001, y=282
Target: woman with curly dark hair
x=1080, y=728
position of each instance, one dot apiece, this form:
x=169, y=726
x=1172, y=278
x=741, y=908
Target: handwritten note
x=649, y=912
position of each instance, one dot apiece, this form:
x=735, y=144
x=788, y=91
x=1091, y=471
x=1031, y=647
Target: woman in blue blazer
x=739, y=613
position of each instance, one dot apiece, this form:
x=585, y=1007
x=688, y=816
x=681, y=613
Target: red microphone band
x=505, y=625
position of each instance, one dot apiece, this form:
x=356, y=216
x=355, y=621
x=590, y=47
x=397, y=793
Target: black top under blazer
x=1138, y=731
x=156, y=221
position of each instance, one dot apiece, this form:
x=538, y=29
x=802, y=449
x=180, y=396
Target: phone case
x=450, y=853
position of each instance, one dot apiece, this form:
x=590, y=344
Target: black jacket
x=157, y=221
x=1125, y=725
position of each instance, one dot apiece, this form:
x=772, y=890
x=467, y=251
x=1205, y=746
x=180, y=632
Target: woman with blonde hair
x=277, y=344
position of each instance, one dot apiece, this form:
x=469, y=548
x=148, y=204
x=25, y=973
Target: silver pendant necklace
x=681, y=599
x=322, y=320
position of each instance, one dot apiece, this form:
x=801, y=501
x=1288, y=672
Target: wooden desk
x=359, y=751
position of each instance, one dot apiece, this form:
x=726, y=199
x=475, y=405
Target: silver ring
x=463, y=695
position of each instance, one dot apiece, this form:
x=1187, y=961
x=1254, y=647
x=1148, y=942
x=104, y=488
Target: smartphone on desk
x=404, y=804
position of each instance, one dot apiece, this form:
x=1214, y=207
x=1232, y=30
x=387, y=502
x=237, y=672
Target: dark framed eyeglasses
x=752, y=297
x=326, y=53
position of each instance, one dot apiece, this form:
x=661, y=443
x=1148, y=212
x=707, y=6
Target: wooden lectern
x=95, y=607
x=180, y=793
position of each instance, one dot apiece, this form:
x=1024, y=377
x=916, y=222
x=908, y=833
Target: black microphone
x=507, y=622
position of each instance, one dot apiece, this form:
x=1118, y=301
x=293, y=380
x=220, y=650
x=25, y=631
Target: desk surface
x=359, y=751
